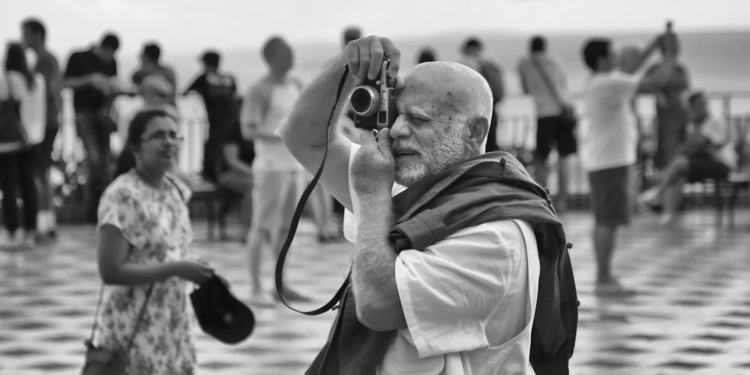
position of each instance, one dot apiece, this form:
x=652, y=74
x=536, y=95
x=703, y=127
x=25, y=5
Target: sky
x=193, y=25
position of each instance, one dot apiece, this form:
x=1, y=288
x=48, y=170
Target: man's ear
x=478, y=129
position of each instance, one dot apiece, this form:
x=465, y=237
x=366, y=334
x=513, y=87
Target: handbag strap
x=330, y=305
x=548, y=82
x=137, y=323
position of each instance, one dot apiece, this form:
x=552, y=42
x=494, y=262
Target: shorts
x=551, y=132
x=275, y=196
x=611, y=195
x=704, y=166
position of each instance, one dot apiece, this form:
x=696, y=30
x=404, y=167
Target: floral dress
x=156, y=224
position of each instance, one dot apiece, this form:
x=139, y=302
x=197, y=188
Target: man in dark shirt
x=34, y=36
x=236, y=172
x=219, y=92
x=472, y=55
x=150, y=65
x=92, y=75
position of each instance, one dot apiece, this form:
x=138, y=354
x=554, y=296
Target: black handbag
x=568, y=114
x=105, y=361
x=12, y=133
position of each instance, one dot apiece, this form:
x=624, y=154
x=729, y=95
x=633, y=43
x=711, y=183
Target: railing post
x=727, y=107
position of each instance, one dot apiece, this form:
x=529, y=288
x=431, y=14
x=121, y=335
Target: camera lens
x=365, y=100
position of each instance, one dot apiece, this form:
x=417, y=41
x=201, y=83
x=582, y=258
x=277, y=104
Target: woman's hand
x=194, y=271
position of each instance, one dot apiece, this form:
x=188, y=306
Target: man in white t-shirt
x=462, y=304
x=277, y=176
x=708, y=153
x=608, y=140
x=543, y=77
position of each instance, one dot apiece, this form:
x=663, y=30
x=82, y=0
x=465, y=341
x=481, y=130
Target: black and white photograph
x=418, y=187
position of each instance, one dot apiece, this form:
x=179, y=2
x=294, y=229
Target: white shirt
x=266, y=105
x=608, y=135
x=545, y=101
x=720, y=133
x=469, y=301
x=33, y=103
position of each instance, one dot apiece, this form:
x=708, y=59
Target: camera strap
x=298, y=212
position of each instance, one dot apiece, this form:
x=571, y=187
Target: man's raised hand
x=373, y=169
x=365, y=56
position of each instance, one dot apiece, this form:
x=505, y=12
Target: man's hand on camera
x=365, y=56
x=373, y=169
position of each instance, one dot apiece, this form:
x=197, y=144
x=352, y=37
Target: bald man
x=445, y=270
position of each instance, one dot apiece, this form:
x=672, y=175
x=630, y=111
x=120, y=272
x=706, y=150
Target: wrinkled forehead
x=434, y=94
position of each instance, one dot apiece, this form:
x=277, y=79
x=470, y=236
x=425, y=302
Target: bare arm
x=643, y=57
x=658, y=77
x=304, y=131
x=374, y=266
x=232, y=156
x=524, y=86
x=114, y=268
x=253, y=131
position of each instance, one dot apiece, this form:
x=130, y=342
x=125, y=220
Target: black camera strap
x=298, y=212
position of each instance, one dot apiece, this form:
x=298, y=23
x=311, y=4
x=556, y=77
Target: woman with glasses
x=144, y=234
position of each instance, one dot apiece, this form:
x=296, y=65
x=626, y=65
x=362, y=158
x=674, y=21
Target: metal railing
x=516, y=127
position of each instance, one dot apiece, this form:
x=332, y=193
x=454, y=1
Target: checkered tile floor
x=692, y=315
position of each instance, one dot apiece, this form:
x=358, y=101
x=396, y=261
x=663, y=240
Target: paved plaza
x=692, y=315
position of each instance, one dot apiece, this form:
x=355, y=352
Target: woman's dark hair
x=15, y=61
x=126, y=160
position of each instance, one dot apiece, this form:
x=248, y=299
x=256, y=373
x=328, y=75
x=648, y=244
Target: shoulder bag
x=103, y=361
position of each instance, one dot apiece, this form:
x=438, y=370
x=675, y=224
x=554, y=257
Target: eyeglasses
x=162, y=136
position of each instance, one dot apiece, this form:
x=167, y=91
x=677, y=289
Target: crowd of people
x=264, y=145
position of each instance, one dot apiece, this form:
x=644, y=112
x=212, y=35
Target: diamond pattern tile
x=692, y=315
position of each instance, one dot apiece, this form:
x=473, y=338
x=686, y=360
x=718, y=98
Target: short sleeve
x=199, y=85
x=471, y=278
x=121, y=208
x=73, y=69
x=620, y=87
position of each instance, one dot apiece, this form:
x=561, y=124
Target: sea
x=718, y=63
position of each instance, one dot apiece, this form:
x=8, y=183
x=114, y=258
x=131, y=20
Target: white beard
x=448, y=151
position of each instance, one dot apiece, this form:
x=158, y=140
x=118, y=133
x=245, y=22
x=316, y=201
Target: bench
x=726, y=193
x=213, y=196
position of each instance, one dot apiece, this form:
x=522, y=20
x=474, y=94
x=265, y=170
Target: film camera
x=374, y=102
